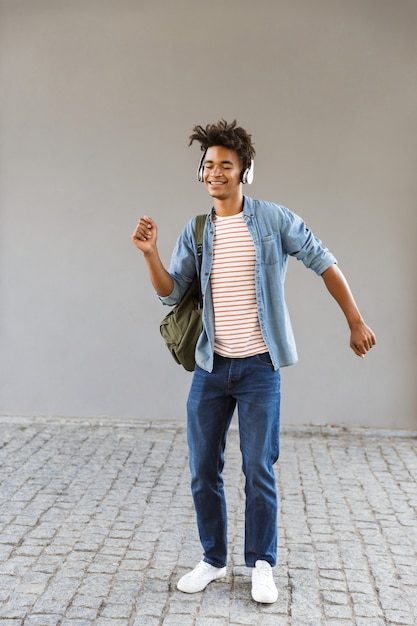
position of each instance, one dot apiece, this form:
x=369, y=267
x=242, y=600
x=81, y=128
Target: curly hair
x=227, y=135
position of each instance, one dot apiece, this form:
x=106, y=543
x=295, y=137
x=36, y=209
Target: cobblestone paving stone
x=97, y=525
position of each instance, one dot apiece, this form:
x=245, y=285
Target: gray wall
x=98, y=99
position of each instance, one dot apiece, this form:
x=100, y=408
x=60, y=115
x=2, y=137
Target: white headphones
x=246, y=176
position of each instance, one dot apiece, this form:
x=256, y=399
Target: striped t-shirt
x=237, y=330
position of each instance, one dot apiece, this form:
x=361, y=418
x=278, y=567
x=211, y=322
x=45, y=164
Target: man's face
x=222, y=169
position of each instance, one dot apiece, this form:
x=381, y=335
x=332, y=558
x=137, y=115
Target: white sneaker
x=263, y=586
x=200, y=577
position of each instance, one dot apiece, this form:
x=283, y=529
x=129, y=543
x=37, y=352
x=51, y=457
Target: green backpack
x=183, y=325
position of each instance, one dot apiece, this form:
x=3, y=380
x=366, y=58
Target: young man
x=246, y=338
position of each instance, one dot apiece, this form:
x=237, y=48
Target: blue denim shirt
x=277, y=234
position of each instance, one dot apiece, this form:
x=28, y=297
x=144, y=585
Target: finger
x=358, y=350
x=370, y=342
x=146, y=226
x=143, y=230
x=146, y=222
x=137, y=234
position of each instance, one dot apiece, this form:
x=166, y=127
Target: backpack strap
x=199, y=224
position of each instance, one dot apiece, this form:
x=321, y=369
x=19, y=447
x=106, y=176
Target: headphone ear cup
x=247, y=175
x=200, y=170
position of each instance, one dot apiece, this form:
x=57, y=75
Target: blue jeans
x=254, y=386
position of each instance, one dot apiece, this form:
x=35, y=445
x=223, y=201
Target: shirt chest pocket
x=270, y=249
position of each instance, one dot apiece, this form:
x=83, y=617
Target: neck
x=231, y=206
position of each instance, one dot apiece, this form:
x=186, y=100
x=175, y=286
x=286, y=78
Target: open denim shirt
x=277, y=234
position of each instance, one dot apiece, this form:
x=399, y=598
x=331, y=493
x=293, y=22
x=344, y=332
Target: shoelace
x=263, y=576
x=202, y=569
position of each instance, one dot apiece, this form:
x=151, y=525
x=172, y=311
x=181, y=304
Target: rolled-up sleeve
x=182, y=267
x=301, y=243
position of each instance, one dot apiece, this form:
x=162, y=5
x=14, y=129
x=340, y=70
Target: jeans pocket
x=264, y=358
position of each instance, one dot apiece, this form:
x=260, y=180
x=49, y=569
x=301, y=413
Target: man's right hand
x=145, y=235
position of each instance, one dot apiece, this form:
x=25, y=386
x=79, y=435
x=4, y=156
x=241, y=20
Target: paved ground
x=97, y=525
